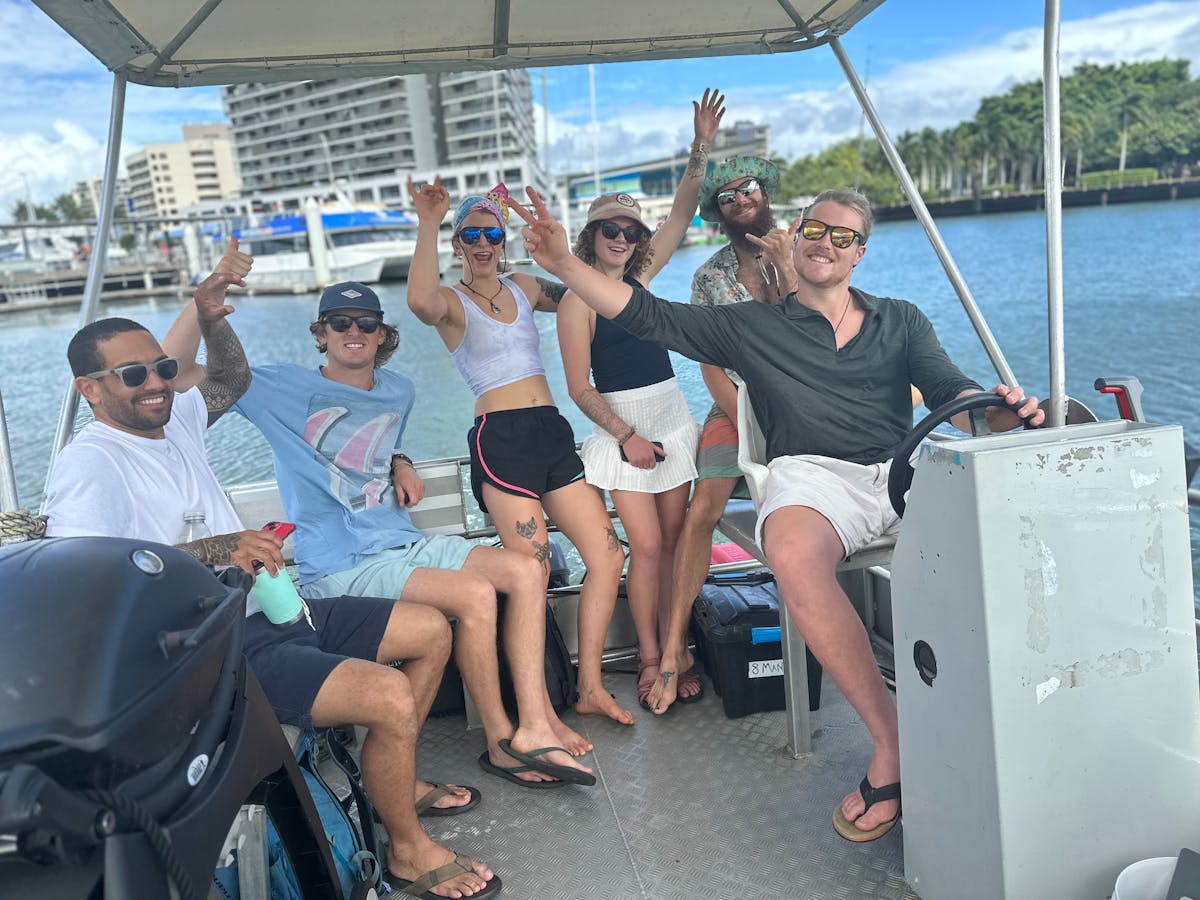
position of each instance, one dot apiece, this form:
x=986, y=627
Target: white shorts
x=854, y=498
x=659, y=413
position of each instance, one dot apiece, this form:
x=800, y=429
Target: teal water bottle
x=276, y=594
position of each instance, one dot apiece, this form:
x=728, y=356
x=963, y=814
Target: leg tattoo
x=542, y=554
x=614, y=543
x=527, y=529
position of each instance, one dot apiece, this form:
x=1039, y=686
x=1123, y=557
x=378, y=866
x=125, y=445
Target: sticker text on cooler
x=764, y=668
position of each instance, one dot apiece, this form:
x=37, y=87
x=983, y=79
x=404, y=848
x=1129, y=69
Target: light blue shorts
x=384, y=574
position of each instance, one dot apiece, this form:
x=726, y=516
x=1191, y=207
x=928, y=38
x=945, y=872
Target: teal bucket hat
x=735, y=169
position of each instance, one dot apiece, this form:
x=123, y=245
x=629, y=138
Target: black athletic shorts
x=526, y=452
x=291, y=662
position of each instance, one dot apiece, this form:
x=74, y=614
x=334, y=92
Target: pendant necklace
x=841, y=318
x=491, y=300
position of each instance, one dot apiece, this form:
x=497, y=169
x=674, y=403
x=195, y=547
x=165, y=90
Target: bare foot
x=430, y=856
x=666, y=688
x=527, y=740
x=568, y=738
x=601, y=703
x=458, y=796
x=499, y=758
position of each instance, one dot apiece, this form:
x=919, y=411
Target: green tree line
x=1114, y=118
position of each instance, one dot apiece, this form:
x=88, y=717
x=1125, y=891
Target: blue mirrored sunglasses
x=470, y=235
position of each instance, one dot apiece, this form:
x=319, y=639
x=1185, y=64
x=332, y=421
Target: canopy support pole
x=1056, y=417
x=95, y=276
x=999, y=363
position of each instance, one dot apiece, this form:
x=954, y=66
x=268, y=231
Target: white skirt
x=659, y=413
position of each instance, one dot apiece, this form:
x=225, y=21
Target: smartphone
x=280, y=529
x=657, y=444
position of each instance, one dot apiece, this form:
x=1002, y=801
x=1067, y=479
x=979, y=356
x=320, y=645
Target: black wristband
x=397, y=455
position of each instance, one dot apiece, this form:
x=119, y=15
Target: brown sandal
x=689, y=677
x=645, y=687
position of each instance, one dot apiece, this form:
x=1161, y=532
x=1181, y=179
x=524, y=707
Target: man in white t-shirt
x=141, y=465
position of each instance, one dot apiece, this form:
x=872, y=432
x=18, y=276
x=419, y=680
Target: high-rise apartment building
x=375, y=131
x=165, y=178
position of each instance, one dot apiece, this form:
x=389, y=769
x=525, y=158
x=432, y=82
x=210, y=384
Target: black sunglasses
x=135, y=374
x=839, y=235
x=746, y=188
x=610, y=230
x=470, y=235
x=340, y=323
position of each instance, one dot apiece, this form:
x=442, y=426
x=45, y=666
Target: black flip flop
x=423, y=886
x=437, y=791
x=510, y=773
x=534, y=760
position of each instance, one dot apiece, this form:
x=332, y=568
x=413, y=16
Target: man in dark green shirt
x=827, y=372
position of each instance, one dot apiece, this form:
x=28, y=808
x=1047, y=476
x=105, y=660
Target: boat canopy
x=172, y=44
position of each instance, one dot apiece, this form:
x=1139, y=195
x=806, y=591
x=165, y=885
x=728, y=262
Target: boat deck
x=689, y=805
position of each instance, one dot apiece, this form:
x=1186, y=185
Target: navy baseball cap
x=348, y=295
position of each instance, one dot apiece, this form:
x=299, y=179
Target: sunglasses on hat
x=839, y=235
x=470, y=235
x=746, y=188
x=632, y=233
x=341, y=323
x=135, y=374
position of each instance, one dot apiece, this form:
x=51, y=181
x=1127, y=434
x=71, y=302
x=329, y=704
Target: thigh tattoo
x=527, y=529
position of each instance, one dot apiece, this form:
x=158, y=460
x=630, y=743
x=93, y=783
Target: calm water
x=1132, y=308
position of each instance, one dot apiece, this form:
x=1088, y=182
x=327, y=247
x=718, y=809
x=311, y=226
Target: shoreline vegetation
x=1130, y=132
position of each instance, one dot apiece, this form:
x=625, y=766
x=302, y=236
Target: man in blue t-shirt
x=336, y=433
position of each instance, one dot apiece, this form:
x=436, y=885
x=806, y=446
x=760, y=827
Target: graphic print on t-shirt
x=355, y=447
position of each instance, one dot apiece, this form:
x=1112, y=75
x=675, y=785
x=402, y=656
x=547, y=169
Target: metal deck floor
x=692, y=805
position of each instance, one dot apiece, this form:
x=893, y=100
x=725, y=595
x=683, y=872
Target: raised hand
x=545, y=239
x=235, y=261
x=706, y=115
x=432, y=201
x=210, y=294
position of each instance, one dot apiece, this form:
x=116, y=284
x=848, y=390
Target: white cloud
x=937, y=92
x=46, y=167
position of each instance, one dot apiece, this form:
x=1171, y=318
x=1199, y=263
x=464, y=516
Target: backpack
x=560, y=671
x=355, y=853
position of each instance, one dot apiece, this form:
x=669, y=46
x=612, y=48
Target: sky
x=925, y=62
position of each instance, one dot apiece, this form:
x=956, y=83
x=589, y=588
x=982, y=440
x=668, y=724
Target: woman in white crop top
x=523, y=460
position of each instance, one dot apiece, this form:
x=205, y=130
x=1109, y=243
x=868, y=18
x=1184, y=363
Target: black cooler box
x=737, y=617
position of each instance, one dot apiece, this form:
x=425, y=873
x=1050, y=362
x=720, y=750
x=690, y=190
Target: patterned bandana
x=494, y=201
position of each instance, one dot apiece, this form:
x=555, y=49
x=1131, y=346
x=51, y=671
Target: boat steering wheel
x=901, y=475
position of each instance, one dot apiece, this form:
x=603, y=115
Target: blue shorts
x=385, y=573
x=293, y=661
x=525, y=452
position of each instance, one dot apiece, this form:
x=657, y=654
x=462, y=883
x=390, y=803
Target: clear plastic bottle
x=194, y=527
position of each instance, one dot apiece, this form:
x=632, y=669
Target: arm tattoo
x=552, y=289
x=597, y=409
x=698, y=162
x=527, y=529
x=542, y=554
x=213, y=551
x=228, y=372
x=614, y=542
